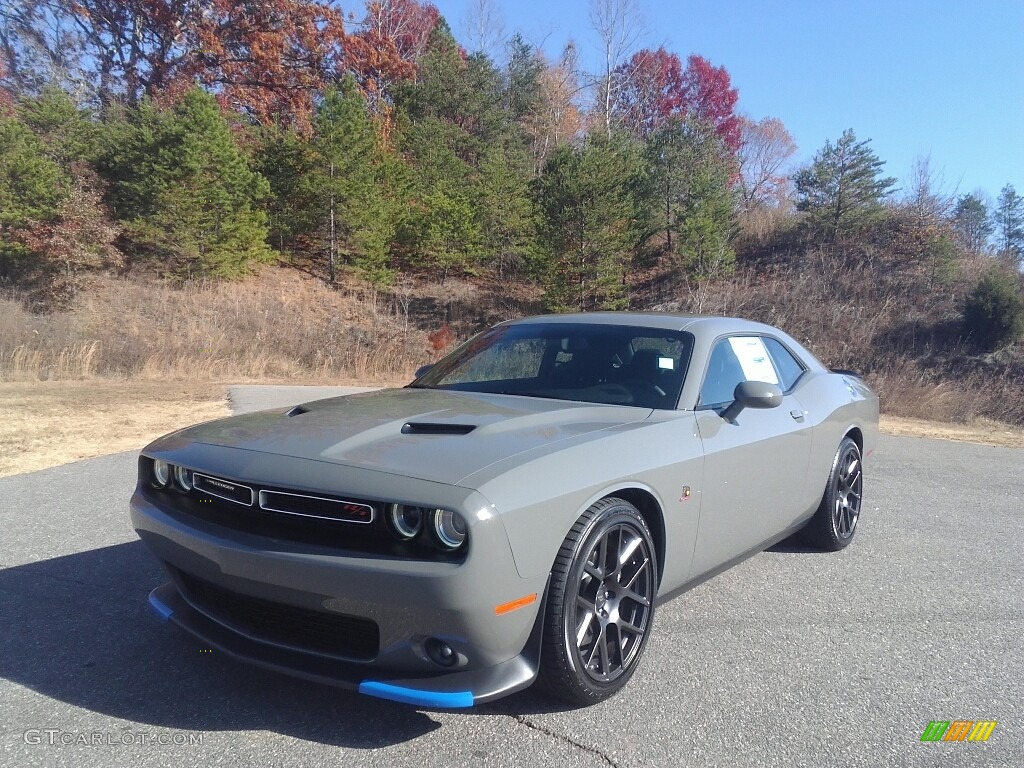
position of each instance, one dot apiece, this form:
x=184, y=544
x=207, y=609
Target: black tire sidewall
x=833, y=490
x=612, y=514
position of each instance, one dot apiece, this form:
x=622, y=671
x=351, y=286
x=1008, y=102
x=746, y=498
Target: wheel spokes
x=849, y=491
x=584, y=627
x=613, y=602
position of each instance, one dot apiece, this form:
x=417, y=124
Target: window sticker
x=754, y=360
x=666, y=363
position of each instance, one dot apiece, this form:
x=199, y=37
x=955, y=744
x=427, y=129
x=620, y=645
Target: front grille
x=349, y=637
x=317, y=507
x=223, y=489
x=301, y=516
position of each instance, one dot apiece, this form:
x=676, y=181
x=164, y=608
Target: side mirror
x=753, y=394
x=423, y=369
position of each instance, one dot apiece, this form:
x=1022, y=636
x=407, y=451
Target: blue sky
x=939, y=78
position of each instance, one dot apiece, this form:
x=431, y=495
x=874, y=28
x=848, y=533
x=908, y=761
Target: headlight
x=405, y=521
x=184, y=478
x=161, y=473
x=449, y=529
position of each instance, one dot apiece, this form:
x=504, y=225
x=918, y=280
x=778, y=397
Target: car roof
x=676, y=321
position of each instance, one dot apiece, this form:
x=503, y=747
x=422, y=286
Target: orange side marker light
x=504, y=608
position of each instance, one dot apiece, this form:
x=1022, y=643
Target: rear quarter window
x=788, y=367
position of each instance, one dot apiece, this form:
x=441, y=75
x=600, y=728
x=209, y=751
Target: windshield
x=608, y=364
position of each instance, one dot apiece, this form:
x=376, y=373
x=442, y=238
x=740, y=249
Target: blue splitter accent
x=158, y=607
x=445, y=700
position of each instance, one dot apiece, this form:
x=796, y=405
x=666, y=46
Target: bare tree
x=557, y=119
x=927, y=195
x=38, y=46
x=765, y=148
x=619, y=26
x=484, y=27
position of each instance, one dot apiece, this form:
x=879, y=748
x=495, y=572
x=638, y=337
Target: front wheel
x=600, y=605
x=835, y=521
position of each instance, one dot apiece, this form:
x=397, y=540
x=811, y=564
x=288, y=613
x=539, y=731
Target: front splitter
x=450, y=690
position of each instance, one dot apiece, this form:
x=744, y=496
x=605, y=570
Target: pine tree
x=32, y=187
x=589, y=204
x=448, y=122
x=347, y=185
x=68, y=133
x=1009, y=225
x=186, y=192
x=506, y=212
x=448, y=234
x=522, y=80
x=843, y=189
x=286, y=160
x=994, y=311
x=971, y=223
x=690, y=170
x=440, y=227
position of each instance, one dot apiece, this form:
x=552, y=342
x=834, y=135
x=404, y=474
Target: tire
x=835, y=522
x=599, y=610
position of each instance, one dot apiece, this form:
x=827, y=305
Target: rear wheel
x=835, y=522
x=600, y=605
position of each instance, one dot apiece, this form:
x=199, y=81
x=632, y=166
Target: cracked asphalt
x=793, y=658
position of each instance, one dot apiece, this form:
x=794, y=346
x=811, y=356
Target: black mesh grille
x=350, y=637
x=307, y=526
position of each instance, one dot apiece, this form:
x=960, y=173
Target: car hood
x=437, y=435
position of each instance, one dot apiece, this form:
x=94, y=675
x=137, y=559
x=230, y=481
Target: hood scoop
x=298, y=410
x=432, y=428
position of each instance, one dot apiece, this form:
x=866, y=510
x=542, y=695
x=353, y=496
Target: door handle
x=797, y=415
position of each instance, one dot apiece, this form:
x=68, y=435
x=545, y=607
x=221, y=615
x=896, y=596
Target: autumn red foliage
x=392, y=37
x=264, y=58
x=651, y=91
x=268, y=59
x=654, y=87
x=708, y=95
x=442, y=339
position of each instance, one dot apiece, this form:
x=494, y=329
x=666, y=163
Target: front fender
x=541, y=499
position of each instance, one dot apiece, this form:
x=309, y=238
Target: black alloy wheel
x=835, y=522
x=601, y=603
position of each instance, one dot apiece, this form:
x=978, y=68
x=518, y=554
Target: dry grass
x=50, y=423
x=982, y=431
x=134, y=359
x=281, y=325
x=889, y=319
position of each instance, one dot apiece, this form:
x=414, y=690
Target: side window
x=724, y=373
x=735, y=359
x=789, y=367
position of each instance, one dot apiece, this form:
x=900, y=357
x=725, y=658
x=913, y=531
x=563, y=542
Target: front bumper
x=448, y=690
x=410, y=601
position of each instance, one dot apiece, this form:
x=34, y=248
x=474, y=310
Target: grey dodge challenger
x=515, y=514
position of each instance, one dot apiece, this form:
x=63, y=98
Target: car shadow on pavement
x=795, y=545
x=78, y=629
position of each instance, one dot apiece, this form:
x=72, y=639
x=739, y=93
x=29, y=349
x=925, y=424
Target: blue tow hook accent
x=439, y=699
x=158, y=607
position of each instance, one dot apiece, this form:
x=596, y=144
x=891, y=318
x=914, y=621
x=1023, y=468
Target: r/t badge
x=685, y=496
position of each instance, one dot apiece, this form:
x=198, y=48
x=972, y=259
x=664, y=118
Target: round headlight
x=161, y=473
x=405, y=521
x=449, y=528
x=183, y=477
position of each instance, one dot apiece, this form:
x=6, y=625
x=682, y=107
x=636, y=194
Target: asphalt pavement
x=793, y=658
